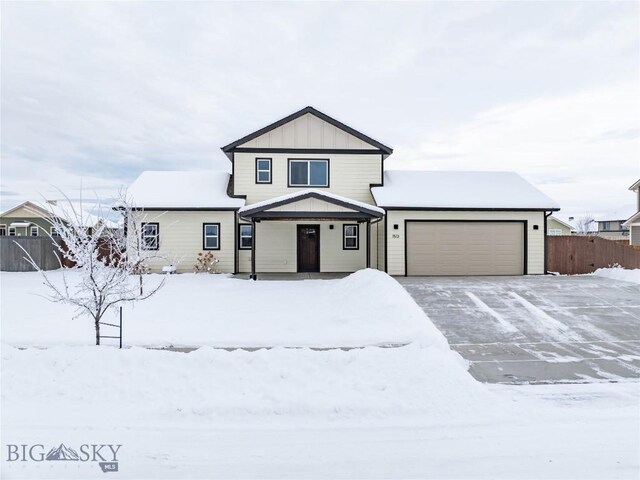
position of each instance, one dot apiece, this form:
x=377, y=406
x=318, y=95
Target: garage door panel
x=465, y=248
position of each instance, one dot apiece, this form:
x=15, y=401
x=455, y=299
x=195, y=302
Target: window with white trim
x=12, y=231
x=554, y=232
x=55, y=232
x=245, y=237
x=308, y=173
x=150, y=236
x=33, y=231
x=350, y=237
x=3, y=230
x=263, y=170
x=211, y=236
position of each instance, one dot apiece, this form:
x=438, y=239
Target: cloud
x=582, y=149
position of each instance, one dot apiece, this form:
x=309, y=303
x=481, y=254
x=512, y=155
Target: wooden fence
x=585, y=254
x=41, y=249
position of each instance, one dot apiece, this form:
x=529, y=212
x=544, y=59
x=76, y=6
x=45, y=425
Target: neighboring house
x=612, y=225
x=633, y=222
x=310, y=194
x=557, y=227
x=32, y=218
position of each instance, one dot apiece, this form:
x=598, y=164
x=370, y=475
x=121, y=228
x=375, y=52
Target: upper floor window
x=150, y=236
x=554, y=232
x=263, y=170
x=211, y=239
x=34, y=231
x=245, y=237
x=308, y=173
x=55, y=232
x=3, y=230
x=606, y=225
x=12, y=231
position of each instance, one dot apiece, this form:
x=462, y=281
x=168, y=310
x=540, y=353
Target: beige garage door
x=465, y=248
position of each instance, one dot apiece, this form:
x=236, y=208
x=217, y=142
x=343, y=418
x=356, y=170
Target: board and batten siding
x=396, y=238
x=276, y=248
x=308, y=131
x=181, y=239
x=350, y=175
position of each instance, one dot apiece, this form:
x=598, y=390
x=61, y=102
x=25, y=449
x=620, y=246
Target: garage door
x=465, y=248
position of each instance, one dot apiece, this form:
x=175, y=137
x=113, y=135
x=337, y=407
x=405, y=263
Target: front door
x=308, y=248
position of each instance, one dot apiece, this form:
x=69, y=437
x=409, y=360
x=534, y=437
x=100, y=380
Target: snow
x=619, y=273
x=321, y=193
x=441, y=189
x=218, y=310
x=182, y=189
x=372, y=412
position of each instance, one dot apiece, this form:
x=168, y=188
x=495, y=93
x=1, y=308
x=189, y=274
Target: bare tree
x=104, y=273
x=584, y=223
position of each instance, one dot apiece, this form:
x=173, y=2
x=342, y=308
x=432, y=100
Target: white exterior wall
x=181, y=238
x=553, y=224
x=308, y=131
x=349, y=175
x=276, y=248
x=396, y=238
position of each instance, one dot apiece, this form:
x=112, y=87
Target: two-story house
x=311, y=194
x=633, y=223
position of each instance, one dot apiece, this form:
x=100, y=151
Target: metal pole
x=368, y=243
x=253, y=250
x=120, y=327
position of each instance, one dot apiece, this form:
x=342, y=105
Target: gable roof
x=562, y=222
x=460, y=191
x=227, y=149
x=62, y=209
x=338, y=200
x=635, y=186
x=172, y=190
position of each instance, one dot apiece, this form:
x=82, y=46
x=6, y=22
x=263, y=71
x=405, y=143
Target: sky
x=92, y=94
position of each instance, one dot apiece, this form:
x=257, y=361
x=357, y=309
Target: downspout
x=546, y=216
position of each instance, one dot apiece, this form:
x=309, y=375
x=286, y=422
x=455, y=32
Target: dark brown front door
x=308, y=248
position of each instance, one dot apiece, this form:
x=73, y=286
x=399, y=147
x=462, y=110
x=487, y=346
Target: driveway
x=538, y=329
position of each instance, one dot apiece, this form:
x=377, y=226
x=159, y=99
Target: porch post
x=368, y=243
x=253, y=250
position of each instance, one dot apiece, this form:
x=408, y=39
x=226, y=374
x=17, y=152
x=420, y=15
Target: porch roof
x=351, y=209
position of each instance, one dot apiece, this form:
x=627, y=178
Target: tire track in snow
x=483, y=307
x=555, y=328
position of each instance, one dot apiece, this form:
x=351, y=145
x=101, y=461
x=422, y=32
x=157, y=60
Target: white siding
x=276, y=248
x=396, y=238
x=308, y=131
x=181, y=235
x=350, y=175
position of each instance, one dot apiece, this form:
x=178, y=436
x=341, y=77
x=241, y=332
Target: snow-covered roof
x=620, y=213
x=180, y=189
x=272, y=202
x=635, y=186
x=567, y=223
x=20, y=224
x=633, y=219
x=441, y=189
x=71, y=212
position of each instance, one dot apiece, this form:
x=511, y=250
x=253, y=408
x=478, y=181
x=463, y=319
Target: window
x=3, y=230
x=308, y=173
x=245, y=237
x=12, y=231
x=150, y=236
x=554, y=232
x=350, y=240
x=606, y=226
x=211, y=236
x=34, y=231
x=263, y=170
x=55, y=232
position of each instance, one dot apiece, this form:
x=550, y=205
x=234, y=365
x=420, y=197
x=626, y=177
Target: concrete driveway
x=538, y=329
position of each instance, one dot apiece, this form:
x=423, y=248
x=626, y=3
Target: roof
x=312, y=193
x=460, y=190
x=633, y=219
x=562, y=222
x=230, y=147
x=20, y=224
x=635, y=186
x=182, y=190
x=62, y=209
x=621, y=213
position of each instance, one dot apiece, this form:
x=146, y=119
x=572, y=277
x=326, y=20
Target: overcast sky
x=95, y=93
